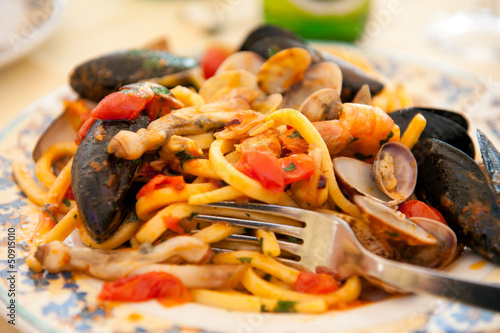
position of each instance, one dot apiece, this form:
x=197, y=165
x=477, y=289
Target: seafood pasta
x=274, y=130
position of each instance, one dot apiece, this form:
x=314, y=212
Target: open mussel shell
x=438, y=255
x=392, y=225
x=395, y=171
x=454, y=184
x=356, y=177
x=443, y=125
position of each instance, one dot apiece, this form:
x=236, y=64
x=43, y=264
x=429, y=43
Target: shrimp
x=359, y=131
x=370, y=128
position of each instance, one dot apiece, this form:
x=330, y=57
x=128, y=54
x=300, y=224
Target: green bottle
x=342, y=20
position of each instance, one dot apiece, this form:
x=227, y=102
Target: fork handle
x=427, y=281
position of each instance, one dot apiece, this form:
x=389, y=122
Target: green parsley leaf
x=295, y=134
x=66, y=202
x=285, y=306
x=290, y=167
x=245, y=260
x=184, y=157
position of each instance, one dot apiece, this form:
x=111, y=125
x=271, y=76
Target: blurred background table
x=92, y=27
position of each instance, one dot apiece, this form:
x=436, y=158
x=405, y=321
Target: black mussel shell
x=453, y=183
x=443, y=125
x=101, y=76
x=100, y=180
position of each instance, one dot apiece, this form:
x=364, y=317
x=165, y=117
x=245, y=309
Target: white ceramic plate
x=67, y=302
x=24, y=24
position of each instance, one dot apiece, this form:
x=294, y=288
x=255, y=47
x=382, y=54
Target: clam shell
x=438, y=255
x=395, y=171
x=355, y=177
x=391, y=224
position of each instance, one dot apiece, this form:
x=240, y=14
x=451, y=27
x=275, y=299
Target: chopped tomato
x=69, y=194
x=125, y=104
x=212, y=58
x=161, y=181
x=172, y=223
x=297, y=167
x=417, y=208
x=312, y=283
x=143, y=287
x=80, y=135
x=260, y=164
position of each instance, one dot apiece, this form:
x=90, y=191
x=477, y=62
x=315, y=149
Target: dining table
x=86, y=29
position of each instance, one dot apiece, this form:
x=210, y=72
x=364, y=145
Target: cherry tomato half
x=417, y=208
x=212, y=58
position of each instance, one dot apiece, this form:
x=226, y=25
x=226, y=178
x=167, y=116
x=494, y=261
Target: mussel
x=453, y=183
x=100, y=180
x=98, y=77
x=268, y=40
x=447, y=126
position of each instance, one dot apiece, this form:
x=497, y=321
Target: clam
x=438, y=255
x=392, y=225
x=226, y=81
x=318, y=76
x=283, y=69
x=395, y=171
x=324, y=104
x=355, y=177
x=247, y=60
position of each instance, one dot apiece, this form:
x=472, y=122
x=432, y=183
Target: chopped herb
x=290, y=167
x=392, y=234
x=285, y=306
x=138, y=161
x=246, y=230
x=292, y=239
x=245, y=260
x=263, y=308
x=46, y=209
x=295, y=134
x=267, y=277
x=75, y=216
x=247, y=214
x=198, y=226
x=383, y=142
x=160, y=90
x=353, y=140
x=192, y=216
x=362, y=157
x=66, y=202
x=261, y=243
x=184, y=157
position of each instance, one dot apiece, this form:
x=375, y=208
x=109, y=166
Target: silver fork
x=329, y=242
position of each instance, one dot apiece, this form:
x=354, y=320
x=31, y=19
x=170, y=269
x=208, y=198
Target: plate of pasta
x=104, y=235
